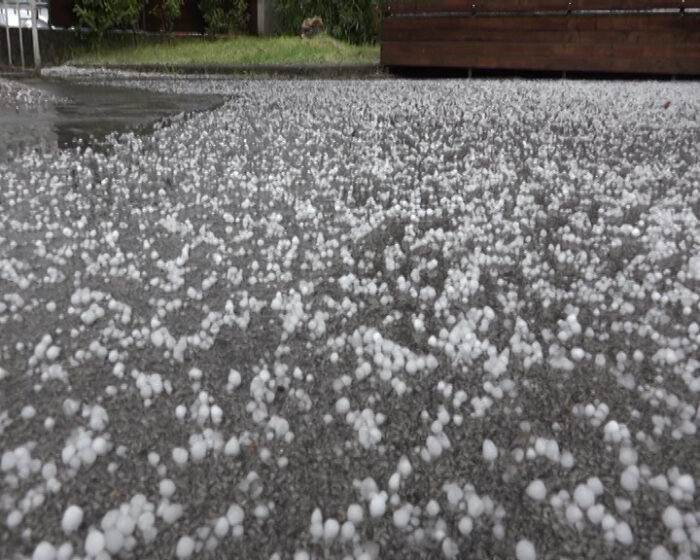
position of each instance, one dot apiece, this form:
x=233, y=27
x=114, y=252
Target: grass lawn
x=236, y=50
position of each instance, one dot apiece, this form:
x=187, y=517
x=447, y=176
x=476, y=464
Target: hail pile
x=359, y=320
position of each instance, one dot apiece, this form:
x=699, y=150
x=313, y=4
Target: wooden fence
x=621, y=36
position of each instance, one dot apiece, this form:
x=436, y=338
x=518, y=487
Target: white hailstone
x=44, y=551
x=235, y=515
x=316, y=525
x=195, y=374
x=628, y=456
x=169, y=512
x=331, y=528
x=454, y=494
x=180, y=456
x=145, y=521
x=449, y=548
x=402, y=517
x=234, y=379
x=596, y=486
x=301, y=555
x=114, y=541
x=198, y=450
x=342, y=405
x=166, y=487
x=525, y=550
x=686, y=483
x=394, y=482
x=72, y=518
x=475, y=506
x=629, y=479
x=659, y=482
x=434, y=446
x=573, y=514
x=261, y=511
x=660, y=552
x=216, y=414
x=577, y=354
x=404, y=467
x=584, y=496
x=595, y=513
x=537, y=490
x=672, y=518
x=432, y=508
x=153, y=458
x=347, y=531
x=623, y=505
x=13, y=519
x=99, y=445
x=53, y=353
x=567, y=460
x=221, y=527
x=180, y=411
x=232, y=447
x=94, y=543
x=125, y=524
x=28, y=412
x=623, y=533
x=355, y=514
x=465, y=525
x=185, y=547
x=489, y=451
x=65, y=551
x=377, y=505
x=608, y=522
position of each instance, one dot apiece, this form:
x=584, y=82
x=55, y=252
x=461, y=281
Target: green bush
x=99, y=16
x=350, y=20
x=167, y=12
x=224, y=16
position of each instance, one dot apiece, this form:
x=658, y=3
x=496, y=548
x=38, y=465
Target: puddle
x=87, y=113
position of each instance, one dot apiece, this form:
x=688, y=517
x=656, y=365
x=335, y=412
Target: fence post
x=35, y=37
x=7, y=34
x=19, y=32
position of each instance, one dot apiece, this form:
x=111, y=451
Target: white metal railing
x=20, y=14
x=33, y=15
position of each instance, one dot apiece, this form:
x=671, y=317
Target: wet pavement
x=84, y=114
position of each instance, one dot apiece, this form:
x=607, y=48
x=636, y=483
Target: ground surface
x=366, y=319
x=238, y=50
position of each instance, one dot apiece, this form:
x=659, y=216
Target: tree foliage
x=99, y=16
x=224, y=16
x=167, y=12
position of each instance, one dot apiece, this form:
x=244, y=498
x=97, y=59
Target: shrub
x=167, y=12
x=224, y=16
x=350, y=20
x=99, y=16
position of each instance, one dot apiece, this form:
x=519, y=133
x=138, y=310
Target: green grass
x=235, y=50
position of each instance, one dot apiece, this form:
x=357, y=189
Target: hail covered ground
x=357, y=319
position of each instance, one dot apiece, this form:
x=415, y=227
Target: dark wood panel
x=503, y=6
x=519, y=56
x=568, y=49
x=537, y=36
x=396, y=28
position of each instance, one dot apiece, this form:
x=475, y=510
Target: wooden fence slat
x=530, y=6
x=538, y=36
x=437, y=26
x=519, y=56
